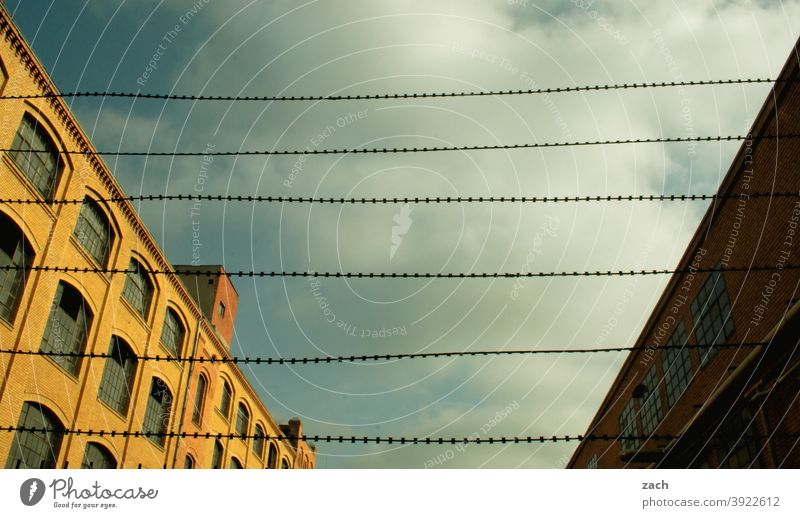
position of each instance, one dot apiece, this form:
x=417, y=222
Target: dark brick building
x=734, y=406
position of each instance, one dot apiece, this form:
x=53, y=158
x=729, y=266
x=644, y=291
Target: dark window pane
x=216, y=459
x=94, y=231
x=677, y=365
x=188, y=462
x=627, y=426
x=258, y=442
x=157, y=414
x=651, y=410
x=14, y=252
x=116, y=385
x=96, y=456
x=67, y=328
x=137, y=288
x=711, y=314
x=172, y=333
x=37, y=157
x=272, y=462
x=225, y=400
x=199, y=400
x=242, y=421
x=36, y=449
x=235, y=464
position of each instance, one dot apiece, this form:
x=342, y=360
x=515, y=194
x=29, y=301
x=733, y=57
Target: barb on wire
x=403, y=150
x=404, y=200
x=411, y=95
x=403, y=275
x=259, y=360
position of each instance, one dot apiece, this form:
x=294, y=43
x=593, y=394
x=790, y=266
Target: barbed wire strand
x=364, y=151
x=376, y=439
x=259, y=360
x=403, y=275
x=412, y=95
x=406, y=199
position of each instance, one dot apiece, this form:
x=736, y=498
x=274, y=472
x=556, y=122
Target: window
x=627, y=426
x=94, y=231
x=650, y=406
x=97, y=456
x=37, y=156
x=235, y=464
x=711, y=314
x=216, y=459
x=221, y=309
x=157, y=414
x=38, y=444
x=258, y=442
x=14, y=251
x=67, y=328
x=272, y=462
x=172, y=333
x=225, y=401
x=116, y=385
x=677, y=365
x=242, y=421
x=188, y=462
x=284, y=464
x=741, y=447
x=199, y=400
x=137, y=288
x=592, y=464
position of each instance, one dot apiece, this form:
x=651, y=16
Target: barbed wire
x=259, y=360
x=406, y=199
x=401, y=150
x=412, y=95
x=542, y=439
x=403, y=275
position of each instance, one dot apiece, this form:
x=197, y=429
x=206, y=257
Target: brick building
x=722, y=407
x=126, y=316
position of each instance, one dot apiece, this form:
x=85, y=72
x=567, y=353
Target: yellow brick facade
x=49, y=230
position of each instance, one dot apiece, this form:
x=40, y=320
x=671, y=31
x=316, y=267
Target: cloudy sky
x=325, y=47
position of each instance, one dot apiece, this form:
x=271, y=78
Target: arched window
x=219, y=453
x=242, y=422
x=225, y=400
x=38, y=442
x=97, y=456
x=37, y=156
x=258, y=442
x=14, y=251
x=272, y=461
x=138, y=289
x=188, y=462
x=93, y=231
x=284, y=464
x=235, y=464
x=172, y=333
x=67, y=327
x=199, y=400
x=116, y=386
x=157, y=414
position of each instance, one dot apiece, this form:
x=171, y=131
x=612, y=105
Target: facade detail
x=124, y=316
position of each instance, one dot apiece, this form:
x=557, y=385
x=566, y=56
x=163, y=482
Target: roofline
x=765, y=115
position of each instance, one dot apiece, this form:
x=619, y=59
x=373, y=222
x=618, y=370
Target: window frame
x=158, y=416
x=242, y=425
x=13, y=282
x=170, y=334
x=200, y=395
x=40, y=130
x=125, y=360
x=28, y=439
x=81, y=325
x=104, y=453
x=226, y=396
x=91, y=207
x=708, y=311
x=137, y=270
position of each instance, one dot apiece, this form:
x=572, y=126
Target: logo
x=402, y=224
x=31, y=491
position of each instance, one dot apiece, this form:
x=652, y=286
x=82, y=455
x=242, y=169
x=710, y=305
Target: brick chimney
x=215, y=295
